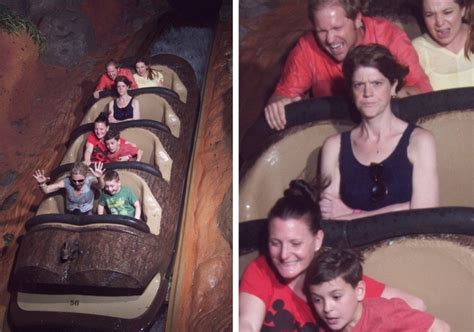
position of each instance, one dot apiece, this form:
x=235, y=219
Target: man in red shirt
x=315, y=63
x=106, y=80
x=337, y=292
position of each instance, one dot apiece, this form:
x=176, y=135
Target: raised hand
x=98, y=169
x=40, y=177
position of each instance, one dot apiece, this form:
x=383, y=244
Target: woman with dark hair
x=145, y=76
x=78, y=186
x=95, y=149
x=124, y=107
x=271, y=293
x=443, y=51
x=384, y=164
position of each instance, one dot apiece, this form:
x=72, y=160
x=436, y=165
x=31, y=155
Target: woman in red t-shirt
x=95, y=149
x=271, y=289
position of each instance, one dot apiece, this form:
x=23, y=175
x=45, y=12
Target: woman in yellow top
x=441, y=50
x=147, y=77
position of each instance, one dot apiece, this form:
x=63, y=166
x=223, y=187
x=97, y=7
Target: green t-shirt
x=121, y=203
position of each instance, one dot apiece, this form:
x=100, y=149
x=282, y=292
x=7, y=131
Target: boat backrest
x=151, y=209
x=172, y=81
x=295, y=156
x=153, y=151
x=454, y=135
x=152, y=106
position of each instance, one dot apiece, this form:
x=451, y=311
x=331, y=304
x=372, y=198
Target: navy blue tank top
x=357, y=180
x=123, y=113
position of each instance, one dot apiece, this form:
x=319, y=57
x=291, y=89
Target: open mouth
x=443, y=33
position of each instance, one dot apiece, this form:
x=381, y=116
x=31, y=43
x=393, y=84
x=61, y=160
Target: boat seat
x=151, y=209
x=152, y=106
x=172, y=81
x=290, y=158
x=153, y=151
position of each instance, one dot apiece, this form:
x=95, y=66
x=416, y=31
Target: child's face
x=337, y=302
x=112, y=187
x=112, y=145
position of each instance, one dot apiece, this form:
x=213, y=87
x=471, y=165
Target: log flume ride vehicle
x=427, y=252
x=112, y=273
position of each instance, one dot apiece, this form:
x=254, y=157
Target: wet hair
x=351, y=7
x=298, y=202
x=469, y=46
x=111, y=175
x=112, y=134
x=103, y=117
x=329, y=264
x=152, y=73
x=122, y=79
x=79, y=168
x=112, y=63
x=378, y=57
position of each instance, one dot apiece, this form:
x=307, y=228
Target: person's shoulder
x=422, y=136
x=332, y=141
x=125, y=71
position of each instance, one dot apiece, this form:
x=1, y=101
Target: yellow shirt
x=144, y=82
x=445, y=69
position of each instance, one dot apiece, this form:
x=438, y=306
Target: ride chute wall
x=295, y=154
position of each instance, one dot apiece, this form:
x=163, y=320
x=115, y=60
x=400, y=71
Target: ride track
x=106, y=272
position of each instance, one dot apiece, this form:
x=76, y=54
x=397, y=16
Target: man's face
x=336, y=33
x=112, y=187
x=337, y=302
x=112, y=145
x=112, y=72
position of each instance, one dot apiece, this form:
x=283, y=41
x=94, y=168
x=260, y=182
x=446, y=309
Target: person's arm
x=416, y=80
x=138, y=209
x=111, y=112
x=439, y=326
x=139, y=154
x=136, y=109
x=100, y=209
x=251, y=313
x=101, y=85
x=422, y=154
x=42, y=179
x=88, y=153
x=275, y=111
x=98, y=172
x=413, y=301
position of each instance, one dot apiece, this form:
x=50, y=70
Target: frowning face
x=443, y=19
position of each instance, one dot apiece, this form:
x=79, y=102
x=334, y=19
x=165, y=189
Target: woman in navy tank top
x=383, y=164
x=124, y=107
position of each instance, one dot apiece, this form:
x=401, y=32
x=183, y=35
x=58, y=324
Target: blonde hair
x=80, y=168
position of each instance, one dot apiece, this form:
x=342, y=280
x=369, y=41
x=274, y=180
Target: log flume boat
x=427, y=252
x=112, y=273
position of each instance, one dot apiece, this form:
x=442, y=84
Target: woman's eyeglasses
x=379, y=189
x=77, y=181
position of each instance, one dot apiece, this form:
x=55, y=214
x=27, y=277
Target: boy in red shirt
x=119, y=149
x=337, y=292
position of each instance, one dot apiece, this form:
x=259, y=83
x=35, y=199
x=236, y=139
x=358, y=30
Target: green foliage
x=13, y=23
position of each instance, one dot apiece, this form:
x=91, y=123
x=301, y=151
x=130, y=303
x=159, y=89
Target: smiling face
x=292, y=246
x=112, y=187
x=141, y=68
x=443, y=19
x=338, y=303
x=371, y=91
x=112, y=72
x=100, y=129
x=336, y=33
x=77, y=181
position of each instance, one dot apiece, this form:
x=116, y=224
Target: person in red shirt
x=271, y=295
x=119, y=149
x=107, y=79
x=315, y=63
x=337, y=291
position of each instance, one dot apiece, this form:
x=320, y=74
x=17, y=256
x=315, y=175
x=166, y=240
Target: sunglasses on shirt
x=379, y=189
